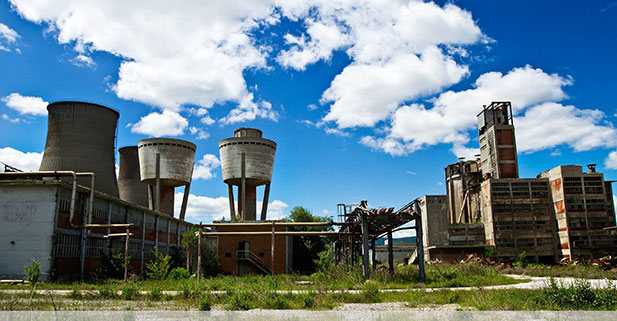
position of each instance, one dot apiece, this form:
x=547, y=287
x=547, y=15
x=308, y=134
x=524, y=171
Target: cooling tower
x=175, y=160
x=247, y=160
x=130, y=187
x=81, y=138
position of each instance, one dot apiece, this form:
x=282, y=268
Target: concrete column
x=232, y=211
x=185, y=200
x=420, y=249
x=264, y=205
x=243, y=188
x=157, y=197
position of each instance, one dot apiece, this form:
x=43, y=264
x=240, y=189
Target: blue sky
x=366, y=99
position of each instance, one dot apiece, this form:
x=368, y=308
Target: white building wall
x=27, y=215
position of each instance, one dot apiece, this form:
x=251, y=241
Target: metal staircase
x=247, y=255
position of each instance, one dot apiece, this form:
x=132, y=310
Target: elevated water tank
x=175, y=159
x=130, y=186
x=81, y=138
x=247, y=161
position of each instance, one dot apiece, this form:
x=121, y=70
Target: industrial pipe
x=58, y=174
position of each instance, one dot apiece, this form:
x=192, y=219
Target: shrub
x=453, y=297
x=370, y=292
x=158, y=269
x=579, y=295
x=205, y=304
x=280, y=303
x=490, y=253
x=33, y=272
x=309, y=301
x=325, y=260
x=179, y=273
x=113, y=266
x=107, y=291
x=129, y=292
x=241, y=300
x=155, y=294
x=522, y=260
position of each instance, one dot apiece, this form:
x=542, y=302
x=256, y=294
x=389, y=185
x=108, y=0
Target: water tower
x=166, y=163
x=81, y=137
x=247, y=161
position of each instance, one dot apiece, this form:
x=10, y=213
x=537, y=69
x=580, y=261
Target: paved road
x=534, y=283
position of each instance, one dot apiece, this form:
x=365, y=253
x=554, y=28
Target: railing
x=250, y=256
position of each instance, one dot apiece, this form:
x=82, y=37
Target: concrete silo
x=81, y=138
x=166, y=163
x=130, y=186
x=247, y=160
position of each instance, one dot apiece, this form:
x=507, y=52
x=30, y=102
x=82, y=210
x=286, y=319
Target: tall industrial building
x=583, y=204
x=560, y=214
x=518, y=216
x=497, y=141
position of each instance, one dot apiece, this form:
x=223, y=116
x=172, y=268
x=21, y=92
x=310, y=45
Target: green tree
x=306, y=249
x=209, y=261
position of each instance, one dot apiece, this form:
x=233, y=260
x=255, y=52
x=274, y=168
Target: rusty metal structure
x=363, y=225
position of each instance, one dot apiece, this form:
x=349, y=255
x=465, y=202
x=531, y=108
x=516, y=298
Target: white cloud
x=557, y=124
x=167, y=123
x=26, y=105
x=8, y=37
x=611, y=162
x=204, y=208
x=311, y=107
x=327, y=129
x=83, y=61
x=453, y=114
x=364, y=94
x=192, y=52
x=29, y=161
x=205, y=166
x=201, y=133
x=248, y=110
x=11, y=120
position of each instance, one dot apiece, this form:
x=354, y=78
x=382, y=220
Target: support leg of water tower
x=264, y=206
x=232, y=211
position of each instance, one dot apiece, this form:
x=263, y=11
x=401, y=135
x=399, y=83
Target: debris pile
x=607, y=263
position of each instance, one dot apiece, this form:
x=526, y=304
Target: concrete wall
x=27, y=215
x=434, y=220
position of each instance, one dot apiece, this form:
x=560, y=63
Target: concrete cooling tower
x=81, y=138
x=130, y=186
x=247, y=160
x=166, y=163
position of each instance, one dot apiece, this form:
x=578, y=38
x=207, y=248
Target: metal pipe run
x=268, y=224
x=58, y=174
x=285, y=233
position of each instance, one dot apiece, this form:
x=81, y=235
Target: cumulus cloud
x=611, y=162
x=193, y=54
x=205, y=166
x=8, y=37
x=394, y=49
x=533, y=94
x=29, y=161
x=204, y=208
x=167, y=123
x=556, y=124
x=26, y=105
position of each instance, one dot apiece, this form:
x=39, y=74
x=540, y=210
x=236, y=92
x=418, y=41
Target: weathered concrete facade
x=35, y=225
x=518, y=217
x=497, y=141
x=583, y=206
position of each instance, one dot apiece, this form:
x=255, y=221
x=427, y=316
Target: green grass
x=579, y=296
x=336, y=278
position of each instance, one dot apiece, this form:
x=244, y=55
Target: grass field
x=257, y=291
